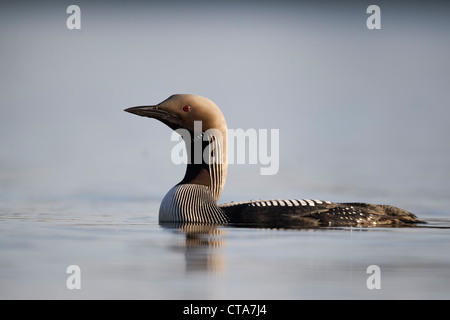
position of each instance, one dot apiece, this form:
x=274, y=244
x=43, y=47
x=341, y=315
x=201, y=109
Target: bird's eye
x=187, y=108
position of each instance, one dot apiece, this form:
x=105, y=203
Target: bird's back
x=306, y=212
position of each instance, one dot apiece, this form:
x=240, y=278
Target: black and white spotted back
x=308, y=212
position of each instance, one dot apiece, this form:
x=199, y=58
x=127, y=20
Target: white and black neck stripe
x=195, y=198
x=191, y=203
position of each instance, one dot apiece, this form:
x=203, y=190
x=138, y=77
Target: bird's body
x=195, y=198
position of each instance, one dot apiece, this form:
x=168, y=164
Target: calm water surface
x=123, y=252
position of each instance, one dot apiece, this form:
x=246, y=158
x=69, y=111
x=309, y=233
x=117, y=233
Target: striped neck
x=194, y=199
x=191, y=203
x=210, y=167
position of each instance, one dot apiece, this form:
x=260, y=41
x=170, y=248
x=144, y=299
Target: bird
x=194, y=200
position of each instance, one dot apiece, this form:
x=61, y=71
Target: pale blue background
x=363, y=115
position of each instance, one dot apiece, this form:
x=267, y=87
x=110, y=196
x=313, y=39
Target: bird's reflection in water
x=204, y=245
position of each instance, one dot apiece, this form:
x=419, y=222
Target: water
x=123, y=253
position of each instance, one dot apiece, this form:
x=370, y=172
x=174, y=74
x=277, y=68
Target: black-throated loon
x=194, y=199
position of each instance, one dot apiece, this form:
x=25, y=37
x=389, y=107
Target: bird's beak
x=147, y=111
x=158, y=113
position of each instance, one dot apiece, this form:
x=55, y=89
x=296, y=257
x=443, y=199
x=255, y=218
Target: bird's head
x=180, y=111
x=183, y=111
